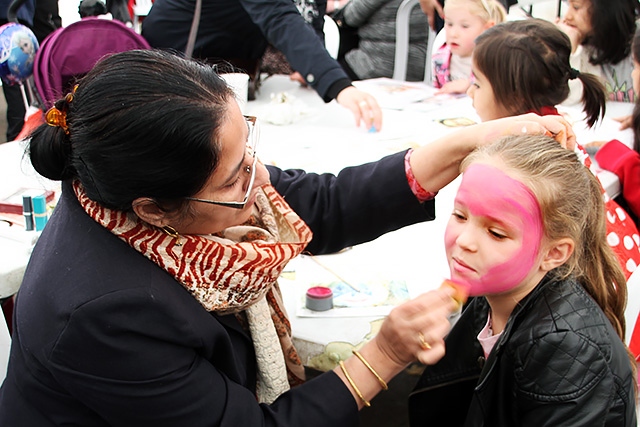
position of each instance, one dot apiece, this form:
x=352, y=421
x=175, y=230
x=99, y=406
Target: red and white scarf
x=233, y=271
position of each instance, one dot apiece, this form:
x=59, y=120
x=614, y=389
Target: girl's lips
x=461, y=267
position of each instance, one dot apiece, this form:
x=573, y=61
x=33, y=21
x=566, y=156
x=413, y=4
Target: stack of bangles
x=382, y=382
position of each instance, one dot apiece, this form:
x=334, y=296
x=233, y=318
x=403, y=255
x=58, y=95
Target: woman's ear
x=148, y=210
x=557, y=253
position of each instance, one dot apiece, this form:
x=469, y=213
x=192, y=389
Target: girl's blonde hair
x=487, y=10
x=572, y=206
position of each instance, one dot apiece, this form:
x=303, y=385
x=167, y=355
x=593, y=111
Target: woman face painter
x=151, y=297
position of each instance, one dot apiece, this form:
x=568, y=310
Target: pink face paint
x=490, y=196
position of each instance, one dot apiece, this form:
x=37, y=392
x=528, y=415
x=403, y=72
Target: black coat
x=558, y=363
x=103, y=336
x=241, y=29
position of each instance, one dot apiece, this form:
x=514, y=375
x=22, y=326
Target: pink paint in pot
x=487, y=193
x=319, y=298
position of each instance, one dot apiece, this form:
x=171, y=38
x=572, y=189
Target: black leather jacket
x=558, y=362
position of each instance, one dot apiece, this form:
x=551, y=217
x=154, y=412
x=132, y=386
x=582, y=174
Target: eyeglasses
x=252, y=142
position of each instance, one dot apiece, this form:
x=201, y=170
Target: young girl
x=601, y=33
x=523, y=66
x=464, y=21
x=541, y=345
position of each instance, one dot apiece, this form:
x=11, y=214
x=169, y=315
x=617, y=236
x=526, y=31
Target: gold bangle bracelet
x=382, y=382
x=353, y=385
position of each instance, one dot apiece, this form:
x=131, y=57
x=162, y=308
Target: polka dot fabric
x=622, y=233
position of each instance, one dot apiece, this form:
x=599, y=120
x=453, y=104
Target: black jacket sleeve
x=358, y=205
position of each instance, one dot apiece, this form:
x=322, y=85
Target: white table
x=16, y=243
x=323, y=140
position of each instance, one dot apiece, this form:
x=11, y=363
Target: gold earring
x=169, y=230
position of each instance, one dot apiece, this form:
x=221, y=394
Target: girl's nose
x=467, y=239
x=471, y=91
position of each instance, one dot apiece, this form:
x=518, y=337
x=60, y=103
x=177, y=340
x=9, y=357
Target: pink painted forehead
x=488, y=191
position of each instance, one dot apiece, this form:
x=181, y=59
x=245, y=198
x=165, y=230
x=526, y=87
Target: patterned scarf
x=234, y=271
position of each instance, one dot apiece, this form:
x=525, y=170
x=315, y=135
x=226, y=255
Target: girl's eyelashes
x=458, y=215
x=497, y=234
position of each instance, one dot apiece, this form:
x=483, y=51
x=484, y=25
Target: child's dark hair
x=613, y=24
x=527, y=65
x=140, y=124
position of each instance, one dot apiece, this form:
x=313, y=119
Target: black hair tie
x=573, y=74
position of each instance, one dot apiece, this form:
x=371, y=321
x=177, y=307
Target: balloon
x=18, y=46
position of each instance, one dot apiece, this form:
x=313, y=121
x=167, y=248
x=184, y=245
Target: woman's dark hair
x=613, y=24
x=527, y=65
x=142, y=123
x=635, y=49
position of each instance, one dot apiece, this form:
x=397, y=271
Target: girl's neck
x=501, y=308
x=502, y=305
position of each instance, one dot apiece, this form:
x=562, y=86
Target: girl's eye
x=476, y=85
x=497, y=234
x=459, y=216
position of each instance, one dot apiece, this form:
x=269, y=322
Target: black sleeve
x=358, y=205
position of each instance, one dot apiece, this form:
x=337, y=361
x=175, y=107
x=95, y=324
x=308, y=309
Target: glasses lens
x=252, y=142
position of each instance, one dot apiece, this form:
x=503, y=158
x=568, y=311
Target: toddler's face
x=462, y=28
x=494, y=235
x=484, y=101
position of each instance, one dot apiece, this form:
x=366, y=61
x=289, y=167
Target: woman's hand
x=364, y=107
x=438, y=163
x=556, y=126
x=416, y=329
x=413, y=331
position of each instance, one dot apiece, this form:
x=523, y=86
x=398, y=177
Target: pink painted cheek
x=488, y=192
x=505, y=276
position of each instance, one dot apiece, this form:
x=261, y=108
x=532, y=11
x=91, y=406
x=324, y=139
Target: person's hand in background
x=430, y=8
x=364, y=107
x=625, y=121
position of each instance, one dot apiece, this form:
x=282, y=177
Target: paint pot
x=319, y=298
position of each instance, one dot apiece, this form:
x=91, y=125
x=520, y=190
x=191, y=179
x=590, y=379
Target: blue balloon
x=18, y=47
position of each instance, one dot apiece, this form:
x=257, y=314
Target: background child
x=542, y=344
x=620, y=159
x=464, y=21
x=601, y=33
x=523, y=66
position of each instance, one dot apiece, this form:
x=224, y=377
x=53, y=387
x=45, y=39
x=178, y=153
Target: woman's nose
x=262, y=175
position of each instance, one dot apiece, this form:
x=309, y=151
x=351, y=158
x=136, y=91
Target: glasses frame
x=252, y=143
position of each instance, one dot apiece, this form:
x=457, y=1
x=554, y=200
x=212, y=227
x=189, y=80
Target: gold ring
x=423, y=343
